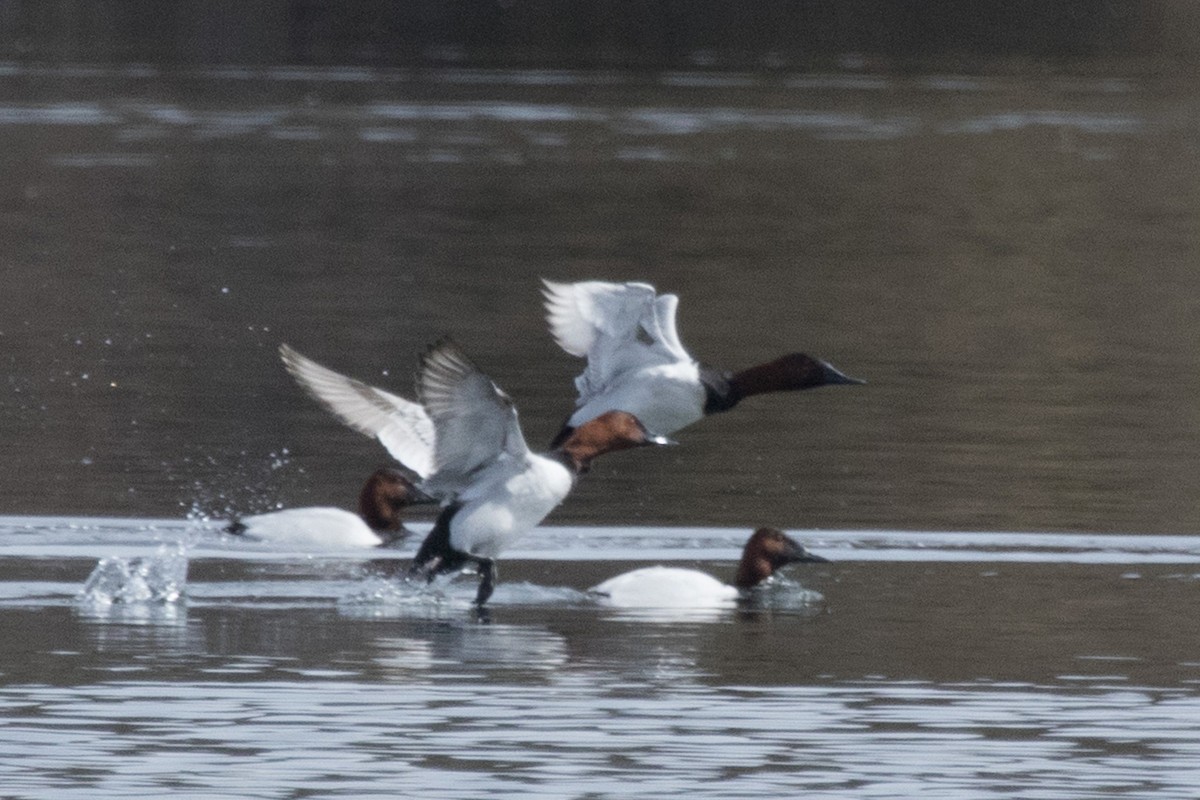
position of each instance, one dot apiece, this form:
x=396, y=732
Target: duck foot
x=487, y=582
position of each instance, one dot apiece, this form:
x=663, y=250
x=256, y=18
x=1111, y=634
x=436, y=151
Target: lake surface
x=1010, y=608
x=1009, y=260
x=1005, y=665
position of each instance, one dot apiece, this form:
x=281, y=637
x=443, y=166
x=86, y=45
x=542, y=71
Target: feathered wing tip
x=665, y=308
x=444, y=367
x=335, y=391
x=569, y=325
x=580, y=313
x=400, y=425
x=475, y=421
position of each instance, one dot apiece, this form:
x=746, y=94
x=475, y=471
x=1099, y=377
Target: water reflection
x=458, y=646
x=997, y=679
x=140, y=637
x=120, y=615
x=604, y=739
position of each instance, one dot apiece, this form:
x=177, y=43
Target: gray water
x=1008, y=259
x=957, y=665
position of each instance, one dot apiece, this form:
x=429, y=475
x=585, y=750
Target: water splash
x=160, y=578
x=219, y=491
x=783, y=593
x=387, y=597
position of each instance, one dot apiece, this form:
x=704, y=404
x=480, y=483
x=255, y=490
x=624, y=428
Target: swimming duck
x=767, y=550
x=636, y=363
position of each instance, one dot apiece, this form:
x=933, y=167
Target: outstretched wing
x=581, y=313
x=400, y=425
x=475, y=422
x=619, y=327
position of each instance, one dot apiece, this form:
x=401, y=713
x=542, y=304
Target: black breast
x=719, y=394
x=436, y=555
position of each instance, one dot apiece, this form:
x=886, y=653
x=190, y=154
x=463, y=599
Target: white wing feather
x=579, y=313
x=619, y=327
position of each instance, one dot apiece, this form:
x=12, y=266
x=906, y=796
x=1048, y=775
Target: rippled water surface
x=1008, y=259
x=1008, y=506
x=948, y=665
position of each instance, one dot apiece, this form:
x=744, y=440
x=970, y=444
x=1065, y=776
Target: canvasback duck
x=495, y=488
x=767, y=550
x=378, y=522
x=636, y=363
x=465, y=443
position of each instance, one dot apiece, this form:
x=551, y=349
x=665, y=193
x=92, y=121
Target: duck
x=467, y=448
x=767, y=550
x=636, y=362
x=386, y=493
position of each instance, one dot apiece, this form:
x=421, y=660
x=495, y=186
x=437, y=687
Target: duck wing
x=619, y=327
x=400, y=425
x=475, y=421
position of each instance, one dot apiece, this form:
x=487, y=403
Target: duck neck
x=752, y=571
x=788, y=373
x=380, y=513
x=572, y=458
x=564, y=433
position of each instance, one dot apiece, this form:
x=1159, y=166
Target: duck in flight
x=636, y=362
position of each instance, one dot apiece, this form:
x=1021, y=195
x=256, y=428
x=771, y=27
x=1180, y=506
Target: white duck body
x=506, y=501
x=635, y=361
x=666, y=397
x=666, y=587
x=319, y=526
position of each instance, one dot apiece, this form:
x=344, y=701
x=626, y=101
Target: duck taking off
x=464, y=441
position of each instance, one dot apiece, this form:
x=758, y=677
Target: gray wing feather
x=475, y=422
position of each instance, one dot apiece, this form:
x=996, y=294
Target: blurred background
x=988, y=211
x=586, y=34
